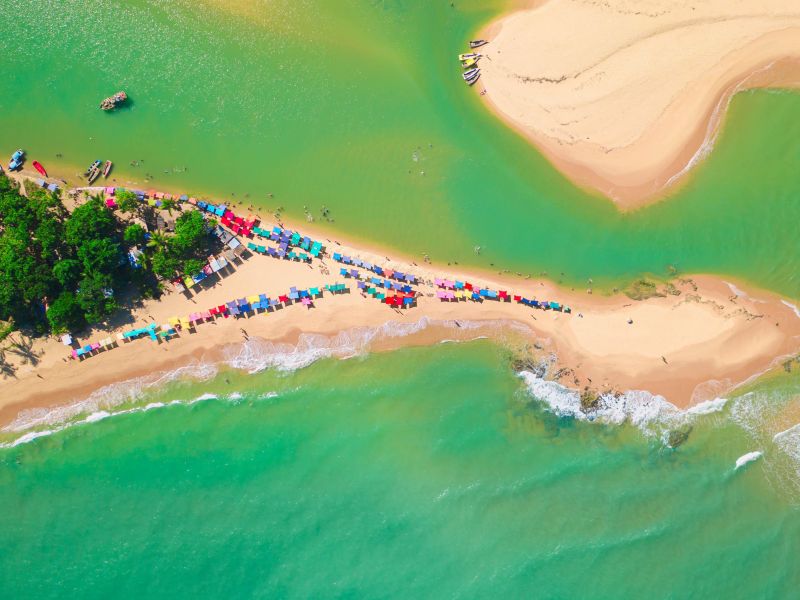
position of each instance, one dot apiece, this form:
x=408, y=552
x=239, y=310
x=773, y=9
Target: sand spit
x=625, y=96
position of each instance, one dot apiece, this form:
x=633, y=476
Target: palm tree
x=158, y=240
x=168, y=205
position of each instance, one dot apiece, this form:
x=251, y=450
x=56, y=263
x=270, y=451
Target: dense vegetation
x=62, y=270
x=184, y=252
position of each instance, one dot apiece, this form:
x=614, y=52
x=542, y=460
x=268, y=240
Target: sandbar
x=700, y=336
x=626, y=96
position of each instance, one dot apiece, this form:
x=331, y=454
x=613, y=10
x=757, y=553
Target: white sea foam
x=739, y=293
x=759, y=413
x=97, y=416
x=736, y=291
x=28, y=437
x=651, y=413
x=707, y=407
x=256, y=355
x=754, y=411
x=747, y=458
x=793, y=307
x=789, y=443
x=640, y=408
x=107, y=398
x=252, y=356
x=793, y=431
x=203, y=398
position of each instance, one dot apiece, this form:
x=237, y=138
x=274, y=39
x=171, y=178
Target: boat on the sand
x=107, y=168
x=16, y=160
x=468, y=74
x=470, y=62
x=477, y=43
x=112, y=102
x=95, y=165
x=468, y=55
x=38, y=166
x=474, y=78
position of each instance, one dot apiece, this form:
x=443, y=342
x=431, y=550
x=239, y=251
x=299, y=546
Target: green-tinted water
x=420, y=473
x=357, y=105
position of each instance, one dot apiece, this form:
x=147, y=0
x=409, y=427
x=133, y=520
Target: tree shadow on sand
x=24, y=349
x=6, y=369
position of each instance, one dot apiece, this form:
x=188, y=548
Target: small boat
x=477, y=43
x=38, y=166
x=467, y=74
x=16, y=160
x=112, y=102
x=95, y=165
x=107, y=168
x=473, y=79
x=95, y=173
x=467, y=56
x=470, y=62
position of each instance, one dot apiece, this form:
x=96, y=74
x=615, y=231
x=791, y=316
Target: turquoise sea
x=429, y=472
x=422, y=473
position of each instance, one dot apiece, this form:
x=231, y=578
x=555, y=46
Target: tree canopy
x=47, y=254
x=62, y=270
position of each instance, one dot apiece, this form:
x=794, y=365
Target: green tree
x=67, y=272
x=99, y=255
x=158, y=240
x=127, y=201
x=49, y=214
x=134, y=235
x=193, y=266
x=165, y=265
x=191, y=234
x=95, y=297
x=91, y=220
x=169, y=205
x=65, y=314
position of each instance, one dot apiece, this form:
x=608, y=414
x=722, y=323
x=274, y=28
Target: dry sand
x=625, y=96
x=701, y=342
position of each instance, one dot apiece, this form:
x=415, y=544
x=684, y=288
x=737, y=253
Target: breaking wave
x=108, y=397
x=747, y=458
x=252, y=356
x=101, y=415
x=761, y=415
x=651, y=413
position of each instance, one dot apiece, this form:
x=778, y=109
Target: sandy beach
x=626, y=96
x=695, y=340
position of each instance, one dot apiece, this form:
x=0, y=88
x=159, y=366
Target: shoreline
x=675, y=345
x=633, y=160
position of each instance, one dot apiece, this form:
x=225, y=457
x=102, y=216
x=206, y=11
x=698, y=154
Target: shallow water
x=423, y=472
x=419, y=473
x=357, y=106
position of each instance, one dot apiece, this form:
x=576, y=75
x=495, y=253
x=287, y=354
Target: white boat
x=468, y=74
